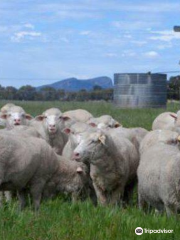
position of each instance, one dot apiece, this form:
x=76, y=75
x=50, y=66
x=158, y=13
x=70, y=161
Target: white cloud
x=75, y=15
x=29, y=25
x=123, y=25
x=64, y=39
x=139, y=23
x=94, y=5
x=164, y=46
x=25, y=34
x=117, y=24
x=155, y=7
x=127, y=36
x=80, y=76
x=128, y=53
x=111, y=55
x=139, y=43
x=166, y=35
x=85, y=33
x=3, y=29
x=151, y=54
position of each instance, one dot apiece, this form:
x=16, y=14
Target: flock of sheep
x=87, y=157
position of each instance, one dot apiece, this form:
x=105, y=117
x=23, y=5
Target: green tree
x=11, y=93
x=2, y=92
x=60, y=93
x=26, y=93
x=97, y=88
x=173, y=88
x=48, y=93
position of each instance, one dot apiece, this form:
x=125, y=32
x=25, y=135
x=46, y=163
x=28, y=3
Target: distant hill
x=74, y=84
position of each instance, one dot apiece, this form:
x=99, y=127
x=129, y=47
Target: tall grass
x=61, y=220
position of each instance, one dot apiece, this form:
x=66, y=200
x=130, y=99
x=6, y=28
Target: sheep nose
x=76, y=155
x=17, y=120
x=52, y=125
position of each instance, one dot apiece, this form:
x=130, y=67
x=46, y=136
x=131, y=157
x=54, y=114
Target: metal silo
x=139, y=90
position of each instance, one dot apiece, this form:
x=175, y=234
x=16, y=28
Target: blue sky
x=51, y=40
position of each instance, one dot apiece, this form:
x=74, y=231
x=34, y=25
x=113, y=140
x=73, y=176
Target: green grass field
x=61, y=220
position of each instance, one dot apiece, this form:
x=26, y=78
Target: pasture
x=59, y=219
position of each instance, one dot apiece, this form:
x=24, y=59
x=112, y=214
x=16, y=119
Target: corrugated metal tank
x=139, y=90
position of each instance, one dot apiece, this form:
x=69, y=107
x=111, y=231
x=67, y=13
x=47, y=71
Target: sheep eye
x=173, y=142
x=99, y=141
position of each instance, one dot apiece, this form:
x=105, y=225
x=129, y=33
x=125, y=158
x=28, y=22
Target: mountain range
x=74, y=84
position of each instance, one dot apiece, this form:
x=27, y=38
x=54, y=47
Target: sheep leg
x=92, y=195
x=170, y=210
x=1, y=198
x=8, y=196
x=100, y=195
x=36, y=193
x=116, y=197
x=22, y=199
x=158, y=211
x=128, y=193
x=141, y=202
x=75, y=197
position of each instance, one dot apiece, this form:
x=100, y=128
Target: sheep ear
x=65, y=118
x=117, y=125
x=173, y=116
x=40, y=118
x=67, y=130
x=92, y=124
x=79, y=170
x=178, y=113
x=3, y=116
x=102, y=139
x=28, y=116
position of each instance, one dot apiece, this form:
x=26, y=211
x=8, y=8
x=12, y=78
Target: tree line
x=173, y=88
x=30, y=93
